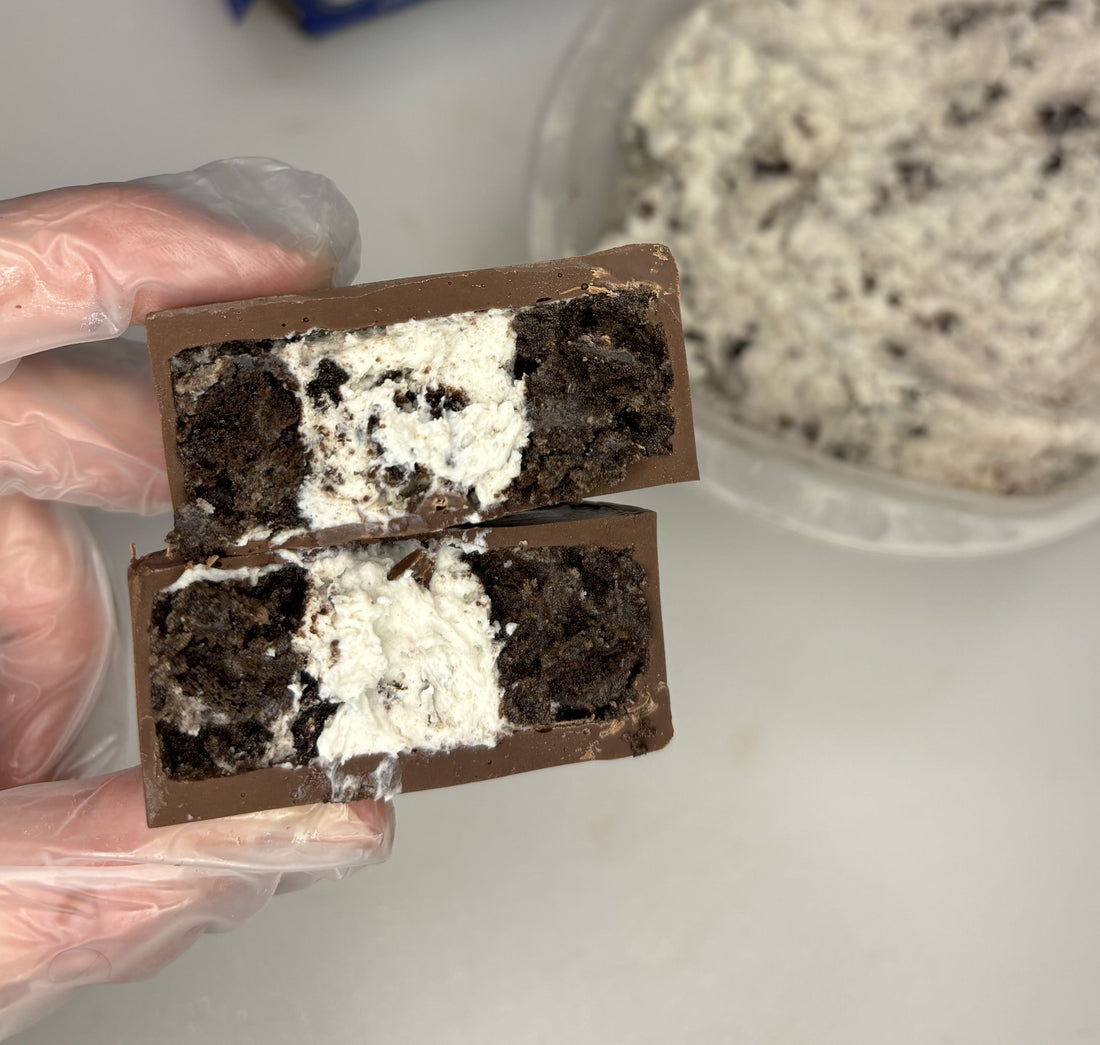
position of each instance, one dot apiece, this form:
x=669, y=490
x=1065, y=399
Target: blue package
x=323, y=16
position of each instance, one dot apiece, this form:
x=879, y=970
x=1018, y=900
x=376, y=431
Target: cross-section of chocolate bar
x=300, y=675
x=413, y=405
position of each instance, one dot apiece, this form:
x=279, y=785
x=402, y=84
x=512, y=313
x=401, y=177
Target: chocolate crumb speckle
x=918, y=177
x=1064, y=117
x=641, y=739
x=738, y=346
x=1053, y=163
x=325, y=386
x=446, y=400
x=1043, y=8
x=771, y=167
x=851, y=452
x=959, y=18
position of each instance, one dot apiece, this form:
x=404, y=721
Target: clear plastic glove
x=88, y=894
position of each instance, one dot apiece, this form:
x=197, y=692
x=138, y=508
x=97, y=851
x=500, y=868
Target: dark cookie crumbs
x=582, y=630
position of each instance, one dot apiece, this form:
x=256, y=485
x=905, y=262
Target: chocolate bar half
x=359, y=670
x=417, y=404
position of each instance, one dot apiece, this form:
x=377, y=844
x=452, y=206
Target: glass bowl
x=574, y=201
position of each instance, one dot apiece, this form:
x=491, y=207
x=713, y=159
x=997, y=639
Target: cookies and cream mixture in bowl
x=888, y=230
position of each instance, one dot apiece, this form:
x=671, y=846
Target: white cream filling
x=391, y=373
x=409, y=666
x=194, y=574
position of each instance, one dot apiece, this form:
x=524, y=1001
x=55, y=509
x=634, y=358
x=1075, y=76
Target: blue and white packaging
x=324, y=16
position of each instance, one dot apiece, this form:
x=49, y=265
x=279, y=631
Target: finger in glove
x=89, y=894
x=57, y=633
x=82, y=264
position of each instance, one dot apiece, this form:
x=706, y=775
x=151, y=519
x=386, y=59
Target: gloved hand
x=89, y=894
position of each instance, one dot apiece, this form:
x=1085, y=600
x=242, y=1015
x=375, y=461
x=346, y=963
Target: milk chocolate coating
x=645, y=726
x=646, y=268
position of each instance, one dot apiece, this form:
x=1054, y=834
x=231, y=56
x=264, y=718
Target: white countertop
x=877, y=822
